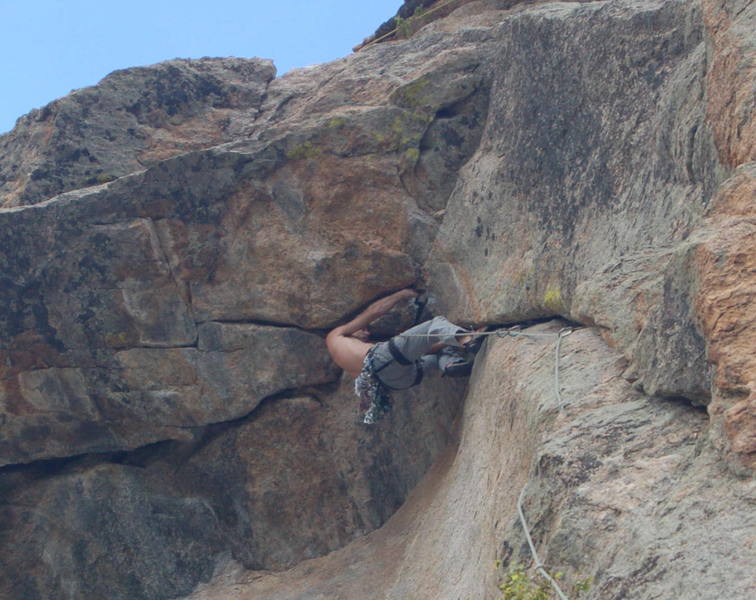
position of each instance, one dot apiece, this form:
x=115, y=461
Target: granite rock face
x=176, y=242
x=595, y=191
x=618, y=486
x=298, y=226
x=295, y=479
x=132, y=119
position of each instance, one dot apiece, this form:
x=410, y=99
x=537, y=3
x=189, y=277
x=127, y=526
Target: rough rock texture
x=295, y=479
x=299, y=227
x=132, y=119
x=169, y=414
x=619, y=486
x=412, y=16
x=595, y=191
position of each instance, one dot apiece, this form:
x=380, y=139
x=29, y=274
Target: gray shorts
x=413, y=346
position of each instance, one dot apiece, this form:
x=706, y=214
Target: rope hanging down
x=516, y=331
x=538, y=564
x=562, y=333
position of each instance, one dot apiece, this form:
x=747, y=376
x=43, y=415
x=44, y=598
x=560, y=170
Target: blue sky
x=49, y=47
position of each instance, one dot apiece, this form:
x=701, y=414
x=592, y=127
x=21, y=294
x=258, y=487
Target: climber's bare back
x=344, y=345
x=347, y=352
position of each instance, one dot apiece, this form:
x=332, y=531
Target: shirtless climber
x=430, y=347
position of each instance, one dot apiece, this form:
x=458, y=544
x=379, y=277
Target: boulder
x=132, y=119
x=296, y=478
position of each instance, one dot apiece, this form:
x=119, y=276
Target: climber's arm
x=374, y=311
x=348, y=352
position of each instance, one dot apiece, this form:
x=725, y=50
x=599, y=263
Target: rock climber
x=435, y=346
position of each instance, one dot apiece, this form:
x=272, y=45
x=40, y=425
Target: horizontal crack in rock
x=203, y=434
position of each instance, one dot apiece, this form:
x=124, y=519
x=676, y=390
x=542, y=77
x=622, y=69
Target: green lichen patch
x=412, y=155
x=416, y=94
x=404, y=132
x=337, y=123
x=305, y=150
x=552, y=299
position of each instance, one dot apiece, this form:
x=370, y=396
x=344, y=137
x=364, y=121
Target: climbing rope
x=562, y=333
x=516, y=331
x=538, y=564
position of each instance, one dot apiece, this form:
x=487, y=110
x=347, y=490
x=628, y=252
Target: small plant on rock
x=403, y=27
x=518, y=584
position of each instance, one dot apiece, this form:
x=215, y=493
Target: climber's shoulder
x=346, y=351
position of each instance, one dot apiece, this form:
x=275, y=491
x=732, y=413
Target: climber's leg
x=431, y=364
x=450, y=362
x=400, y=363
x=421, y=339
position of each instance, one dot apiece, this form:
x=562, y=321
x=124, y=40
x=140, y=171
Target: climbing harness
x=397, y=354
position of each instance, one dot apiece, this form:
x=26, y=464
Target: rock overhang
x=309, y=215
